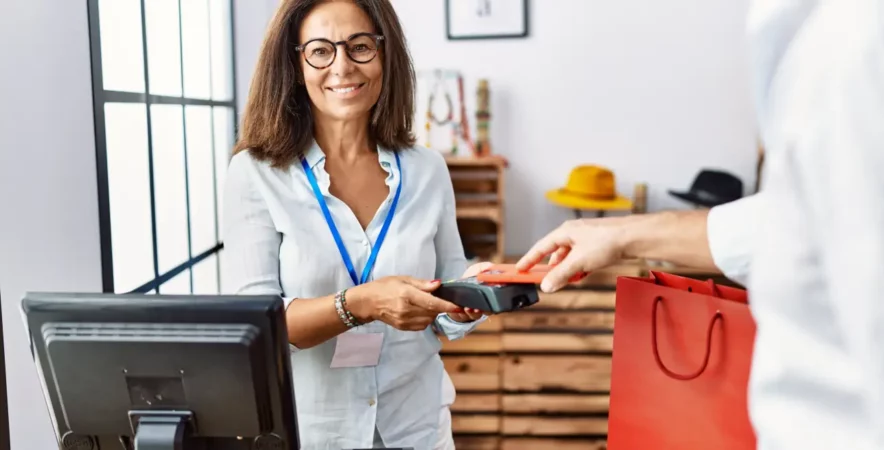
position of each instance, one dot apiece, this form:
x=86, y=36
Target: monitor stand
x=159, y=430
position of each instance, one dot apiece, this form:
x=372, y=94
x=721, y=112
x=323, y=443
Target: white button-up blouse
x=276, y=241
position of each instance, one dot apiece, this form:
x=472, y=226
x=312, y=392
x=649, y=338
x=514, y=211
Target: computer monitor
x=164, y=372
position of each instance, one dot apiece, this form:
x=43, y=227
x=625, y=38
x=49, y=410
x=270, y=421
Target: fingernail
x=435, y=281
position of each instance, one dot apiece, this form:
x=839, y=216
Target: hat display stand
x=639, y=203
x=594, y=188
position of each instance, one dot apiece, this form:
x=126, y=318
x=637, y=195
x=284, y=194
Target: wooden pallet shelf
x=540, y=377
x=479, y=196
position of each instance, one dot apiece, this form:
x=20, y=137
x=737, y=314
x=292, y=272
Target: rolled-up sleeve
x=731, y=229
x=450, y=259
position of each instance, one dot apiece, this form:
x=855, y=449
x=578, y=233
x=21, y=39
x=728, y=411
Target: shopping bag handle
x=686, y=284
x=717, y=317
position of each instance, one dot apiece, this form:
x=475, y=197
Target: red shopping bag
x=680, y=369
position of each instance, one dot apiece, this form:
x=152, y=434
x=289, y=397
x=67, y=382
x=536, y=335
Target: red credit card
x=508, y=274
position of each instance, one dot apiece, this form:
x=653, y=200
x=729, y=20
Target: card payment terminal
x=488, y=297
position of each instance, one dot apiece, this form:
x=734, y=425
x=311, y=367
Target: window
x=165, y=108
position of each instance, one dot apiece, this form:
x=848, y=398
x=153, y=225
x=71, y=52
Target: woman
x=329, y=204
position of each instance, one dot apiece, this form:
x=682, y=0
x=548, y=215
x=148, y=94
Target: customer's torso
x=807, y=387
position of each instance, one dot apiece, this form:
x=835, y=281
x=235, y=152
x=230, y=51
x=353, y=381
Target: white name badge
x=357, y=350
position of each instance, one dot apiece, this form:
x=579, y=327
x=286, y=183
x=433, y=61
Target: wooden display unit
x=540, y=377
x=537, y=378
x=479, y=195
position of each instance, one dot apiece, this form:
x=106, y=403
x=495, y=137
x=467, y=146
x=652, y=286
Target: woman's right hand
x=404, y=303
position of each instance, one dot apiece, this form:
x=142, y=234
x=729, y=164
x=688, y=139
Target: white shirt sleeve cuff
x=453, y=329
x=731, y=233
x=286, y=302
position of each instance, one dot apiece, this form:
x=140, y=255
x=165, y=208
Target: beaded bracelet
x=343, y=312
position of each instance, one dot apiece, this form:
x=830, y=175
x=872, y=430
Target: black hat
x=712, y=188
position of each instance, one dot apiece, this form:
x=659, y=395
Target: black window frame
x=4, y=399
x=100, y=97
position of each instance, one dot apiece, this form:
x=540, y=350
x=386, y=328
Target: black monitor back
x=111, y=363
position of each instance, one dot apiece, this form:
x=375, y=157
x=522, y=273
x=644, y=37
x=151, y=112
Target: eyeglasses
x=321, y=53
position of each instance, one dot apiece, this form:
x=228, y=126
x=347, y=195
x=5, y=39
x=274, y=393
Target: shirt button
x=365, y=242
x=371, y=402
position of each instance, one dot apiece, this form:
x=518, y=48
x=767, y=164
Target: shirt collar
x=315, y=155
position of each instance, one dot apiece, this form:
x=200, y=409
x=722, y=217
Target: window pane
x=122, y=63
x=169, y=185
x=179, y=284
x=223, y=118
x=129, y=190
x=224, y=287
x=205, y=276
x=201, y=178
x=195, y=34
x=163, y=51
x=222, y=63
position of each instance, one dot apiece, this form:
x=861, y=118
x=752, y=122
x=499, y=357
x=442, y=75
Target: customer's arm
x=251, y=266
x=720, y=238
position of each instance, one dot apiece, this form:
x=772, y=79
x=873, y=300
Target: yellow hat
x=590, y=187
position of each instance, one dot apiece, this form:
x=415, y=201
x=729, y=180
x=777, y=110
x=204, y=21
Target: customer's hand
x=470, y=314
x=405, y=303
x=576, y=246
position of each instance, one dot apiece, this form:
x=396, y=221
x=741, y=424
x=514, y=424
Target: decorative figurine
x=483, y=117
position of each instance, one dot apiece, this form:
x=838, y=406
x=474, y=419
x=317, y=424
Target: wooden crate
x=479, y=196
x=515, y=443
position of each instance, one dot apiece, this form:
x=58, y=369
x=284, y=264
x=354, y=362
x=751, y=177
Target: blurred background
x=118, y=117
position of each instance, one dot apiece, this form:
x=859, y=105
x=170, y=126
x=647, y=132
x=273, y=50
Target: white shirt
x=278, y=242
x=811, y=244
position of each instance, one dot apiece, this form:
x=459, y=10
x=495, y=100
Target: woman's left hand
x=470, y=314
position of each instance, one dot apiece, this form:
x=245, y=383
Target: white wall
x=49, y=232
x=653, y=90
x=250, y=21
x=48, y=195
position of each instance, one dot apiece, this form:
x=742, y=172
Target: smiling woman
x=377, y=78
x=329, y=204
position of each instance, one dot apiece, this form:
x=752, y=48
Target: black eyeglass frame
x=377, y=39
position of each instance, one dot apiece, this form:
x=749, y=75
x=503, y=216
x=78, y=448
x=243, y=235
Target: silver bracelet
x=343, y=313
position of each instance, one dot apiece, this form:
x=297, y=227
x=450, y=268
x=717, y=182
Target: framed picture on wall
x=486, y=19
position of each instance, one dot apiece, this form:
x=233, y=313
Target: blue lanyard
x=334, y=230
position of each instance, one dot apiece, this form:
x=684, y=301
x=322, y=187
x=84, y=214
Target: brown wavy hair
x=277, y=123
